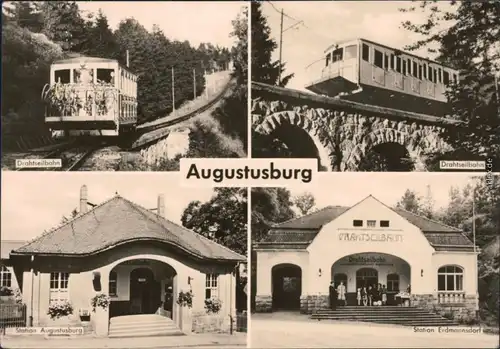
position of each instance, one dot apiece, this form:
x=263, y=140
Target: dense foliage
x=466, y=36
x=35, y=33
x=222, y=219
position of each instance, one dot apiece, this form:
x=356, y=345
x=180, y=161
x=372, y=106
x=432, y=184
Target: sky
x=349, y=188
x=327, y=22
x=36, y=201
x=196, y=21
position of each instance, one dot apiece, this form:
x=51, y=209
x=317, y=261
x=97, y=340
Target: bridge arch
x=305, y=137
x=407, y=142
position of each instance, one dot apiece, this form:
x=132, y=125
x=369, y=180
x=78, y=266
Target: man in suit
x=333, y=295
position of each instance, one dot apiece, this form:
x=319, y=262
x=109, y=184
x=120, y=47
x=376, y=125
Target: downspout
x=32, y=291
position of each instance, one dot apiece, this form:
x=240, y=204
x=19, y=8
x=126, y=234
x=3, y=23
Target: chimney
x=83, y=199
x=161, y=206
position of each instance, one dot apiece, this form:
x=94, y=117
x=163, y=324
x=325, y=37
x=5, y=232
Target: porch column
x=101, y=316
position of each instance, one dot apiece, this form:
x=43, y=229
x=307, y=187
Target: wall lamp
x=421, y=272
x=319, y=272
x=189, y=280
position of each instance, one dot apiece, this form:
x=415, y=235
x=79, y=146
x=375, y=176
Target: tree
x=468, y=42
x=239, y=52
x=99, y=38
x=410, y=202
x=222, y=219
x=263, y=68
x=304, y=202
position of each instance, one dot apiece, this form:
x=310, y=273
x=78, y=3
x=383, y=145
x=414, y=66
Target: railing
x=12, y=315
x=241, y=322
x=452, y=297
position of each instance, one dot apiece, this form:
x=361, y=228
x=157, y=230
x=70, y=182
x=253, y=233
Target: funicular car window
x=62, y=76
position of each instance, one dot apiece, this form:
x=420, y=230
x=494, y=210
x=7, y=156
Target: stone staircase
x=406, y=316
x=142, y=326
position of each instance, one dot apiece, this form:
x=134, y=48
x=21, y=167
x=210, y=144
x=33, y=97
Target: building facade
x=365, y=245
x=136, y=257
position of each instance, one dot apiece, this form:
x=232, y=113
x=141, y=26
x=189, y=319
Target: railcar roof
x=88, y=59
x=346, y=41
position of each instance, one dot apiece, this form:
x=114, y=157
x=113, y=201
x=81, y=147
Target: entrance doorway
x=366, y=277
x=286, y=286
x=145, y=292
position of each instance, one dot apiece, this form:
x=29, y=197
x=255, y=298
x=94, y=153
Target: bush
x=99, y=300
x=185, y=299
x=213, y=305
x=60, y=309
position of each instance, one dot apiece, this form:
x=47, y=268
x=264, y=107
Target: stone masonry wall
x=309, y=304
x=263, y=304
x=458, y=311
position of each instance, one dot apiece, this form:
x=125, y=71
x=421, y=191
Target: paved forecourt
x=288, y=330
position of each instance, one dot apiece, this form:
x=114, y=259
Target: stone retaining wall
x=212, y=323
x=457, y=311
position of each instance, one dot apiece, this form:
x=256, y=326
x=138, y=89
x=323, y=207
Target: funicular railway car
x=89, y=96
x=371, y=73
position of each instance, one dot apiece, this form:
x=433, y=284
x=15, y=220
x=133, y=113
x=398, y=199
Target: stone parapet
x=463, y=310
x=310, y=303
x=263, y=303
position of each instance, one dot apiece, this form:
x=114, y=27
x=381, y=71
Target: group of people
x=373, y=295
x=376, y=295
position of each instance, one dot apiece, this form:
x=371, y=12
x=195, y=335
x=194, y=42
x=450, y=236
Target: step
x=145, y=334
x=165, y=325
x=408, y=322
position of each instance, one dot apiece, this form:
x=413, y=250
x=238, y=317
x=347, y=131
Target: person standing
x=358, y=296
x=333, y=295
x=341, y=290
x=384, y=295
x=364, y=296
x=370, y=295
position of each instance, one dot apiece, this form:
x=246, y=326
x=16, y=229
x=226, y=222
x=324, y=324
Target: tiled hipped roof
x=298, y=233
x=118, y=221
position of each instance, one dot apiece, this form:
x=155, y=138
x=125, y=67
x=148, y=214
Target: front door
x=145, y=292
x=366, y=277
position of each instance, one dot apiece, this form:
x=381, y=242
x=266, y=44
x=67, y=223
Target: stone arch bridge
x=340, y=133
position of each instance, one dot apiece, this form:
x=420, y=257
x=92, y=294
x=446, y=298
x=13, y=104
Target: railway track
x=164, y=125
x=72, y=157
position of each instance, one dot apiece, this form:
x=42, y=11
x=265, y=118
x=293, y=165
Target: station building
x=137, y=257
x=362, y=245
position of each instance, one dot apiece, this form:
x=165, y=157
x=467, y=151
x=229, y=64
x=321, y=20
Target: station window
x=398, y=64
x=371, y=224
x=386, y=62
x=350, y=51
x=378, y=59
x=328, y=57
x=5, y=277
x=393, y=282
x=446, y=77
x=384, y=224
x=337, y=55
x=62, y=76
x=450, y=278
x=113, y=280
x=357, y=223
x=366, y=53
x=211, y=286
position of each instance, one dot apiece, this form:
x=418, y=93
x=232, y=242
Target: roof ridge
x=197, y=235
x=71, y=220
x=305, y=215
x=430, y=220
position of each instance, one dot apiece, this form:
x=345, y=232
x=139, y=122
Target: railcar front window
x=398, y=64
x=378, y=59
x=350, y=51
x=415, y=69
x=386, y=62
x=62, y=76
x=392, y=62
x=337, y=55
x=106, y=76
x=446, y=77
x=327, y=59
x=404, y=66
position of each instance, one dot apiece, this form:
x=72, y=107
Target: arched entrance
x=286, y=286
x=145, y=292
x=142, y=286
x=371, y=269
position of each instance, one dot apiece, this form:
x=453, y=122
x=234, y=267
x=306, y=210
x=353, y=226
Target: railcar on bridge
x=372, y=73
x=90, y=96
